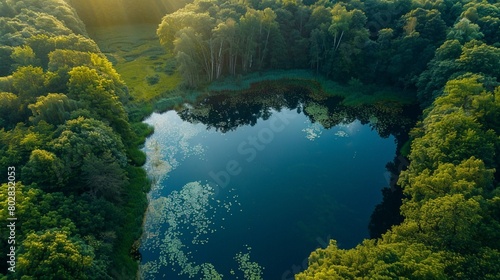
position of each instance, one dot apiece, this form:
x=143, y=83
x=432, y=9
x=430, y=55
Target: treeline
x=375, y=41
x=64, y=128
x=451, y=211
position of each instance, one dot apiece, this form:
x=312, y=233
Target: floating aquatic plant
x=313, y=131
x=182, y=220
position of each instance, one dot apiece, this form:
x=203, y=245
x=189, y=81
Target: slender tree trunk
x=317, y=62
x=231, y=61
x=265, y=48
x=219, y=60
x=206, y=61
x=234, y=57
x=340, y=40
x=212, y=60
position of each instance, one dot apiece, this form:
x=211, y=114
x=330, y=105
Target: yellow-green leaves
x=45, y=169
x=96, y=92
x=52, y=254
x=375, y=260
x=28, y=82
x=469, y=178
x=464, y=31
x=477, y=56
x=23, y=56
x=53, y=108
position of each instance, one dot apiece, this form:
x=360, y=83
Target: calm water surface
x=257, y=198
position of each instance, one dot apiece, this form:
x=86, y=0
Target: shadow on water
x=226, y=111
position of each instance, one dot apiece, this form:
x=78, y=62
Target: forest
x=69, y=128
x=65, y=134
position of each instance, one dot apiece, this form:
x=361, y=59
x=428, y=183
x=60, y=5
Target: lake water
x=253, y=189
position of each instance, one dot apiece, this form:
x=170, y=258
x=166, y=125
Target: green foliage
x=80, y=138
x=57, y=8
x=374, y=41
x=465, y=31
x=449, y=222
x=5, y=57
x=17, y=144
x=481, y=58
x=28, y=82
x=97, y=92
x=153, y=80
x=59, y=65
x=43, y=45
x=487, y=16
x=45, y=169
x=15, y=31
x=375, y=260
x=468, y=178
x=9, y=103
x=67, y=59
x=452, y=60
x=454, y=137
x=53, y=108
x=103, y=176
x=135, y=204
x=166, y=104
x=67, y=146
x=39, y=210
x=247, y=39
x=442, y=67
x=136, y=156
x=23, y=56
x=53, y=254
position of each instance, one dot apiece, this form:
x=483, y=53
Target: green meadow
x=147, y=68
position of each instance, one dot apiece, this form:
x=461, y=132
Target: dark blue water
x=256, y=200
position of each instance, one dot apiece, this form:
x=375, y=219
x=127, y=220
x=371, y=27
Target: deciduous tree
x=53, y=108
x=46, y=170
x=28, y=82
x=53, y=254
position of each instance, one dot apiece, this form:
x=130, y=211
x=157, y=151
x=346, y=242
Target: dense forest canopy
x=64, y=123
x=373, y=41
x=64, y=129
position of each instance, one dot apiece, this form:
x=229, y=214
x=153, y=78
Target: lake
x=250, y=185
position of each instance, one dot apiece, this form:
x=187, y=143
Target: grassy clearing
x=144, y=65
x=144, y=81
